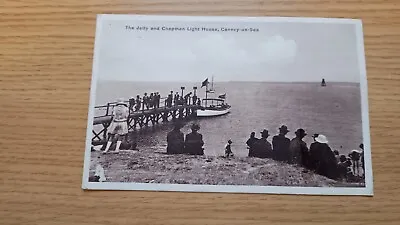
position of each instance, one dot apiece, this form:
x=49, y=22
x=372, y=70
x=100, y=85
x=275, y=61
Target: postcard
x=274, y=105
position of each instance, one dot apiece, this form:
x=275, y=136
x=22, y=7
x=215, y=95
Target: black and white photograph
x=228, y=104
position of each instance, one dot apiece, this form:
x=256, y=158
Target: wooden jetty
x=139, y=119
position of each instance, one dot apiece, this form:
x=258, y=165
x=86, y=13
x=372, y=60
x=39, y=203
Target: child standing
x=228, y=150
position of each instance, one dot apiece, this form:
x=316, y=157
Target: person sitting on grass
x=355, y=156
x=280, y=144
x=175, y=139
x=298, y=151
x=262, y=148
x=250, y=144
x=194, y=141
x=228, y=149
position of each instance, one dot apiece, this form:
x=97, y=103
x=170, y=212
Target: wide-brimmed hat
x=284, y=129
x=321, y=139
x=264, y=133
x=120, y=101
x=195, y=126
x=301, y=132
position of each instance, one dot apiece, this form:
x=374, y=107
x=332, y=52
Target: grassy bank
x=150, y=166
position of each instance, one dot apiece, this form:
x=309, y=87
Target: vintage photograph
x=229, y=104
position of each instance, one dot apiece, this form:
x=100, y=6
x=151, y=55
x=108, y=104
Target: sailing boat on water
x=212, y=106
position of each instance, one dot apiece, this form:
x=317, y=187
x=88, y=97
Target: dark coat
x=323, y=160
x=280, y=146
x=175, y=140
x=298, y=152
x=250, y=142
x=194, y=144
x=262, y=148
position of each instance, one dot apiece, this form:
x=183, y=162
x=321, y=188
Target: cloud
x=278, y=50
x=218, y=49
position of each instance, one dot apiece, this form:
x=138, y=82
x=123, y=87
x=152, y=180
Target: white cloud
x=278, y=50
x=217, y=49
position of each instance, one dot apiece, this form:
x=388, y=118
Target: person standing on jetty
x=176, y=98
x=158, y=99
x=322, y=158
x=138, y=103
x=151, y=100
x=250, y=143
x=298, y=151
x=281, y=144
x=175, y=139
x=145, y=101
x=228, y=149
x=187, y=98
x=194, y=141
x=262, y=148
x=170, y=99
x=119, y=126
x=194, y=100
x=132, y=103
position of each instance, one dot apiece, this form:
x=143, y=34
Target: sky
x=277, y=52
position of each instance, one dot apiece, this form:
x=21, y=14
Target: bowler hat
x=300, y=132
x=283, y=129
x=264, y=133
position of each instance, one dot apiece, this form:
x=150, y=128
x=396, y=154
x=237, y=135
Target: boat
x=212, y=106
x=323, y=83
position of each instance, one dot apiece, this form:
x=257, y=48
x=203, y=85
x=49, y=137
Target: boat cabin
x=214, y=103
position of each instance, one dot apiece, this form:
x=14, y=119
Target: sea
x=333, y=110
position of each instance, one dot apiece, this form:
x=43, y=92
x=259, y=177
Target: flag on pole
x=205, y=82
x=222, y=96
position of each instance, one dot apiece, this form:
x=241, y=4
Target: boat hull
x=211, y=112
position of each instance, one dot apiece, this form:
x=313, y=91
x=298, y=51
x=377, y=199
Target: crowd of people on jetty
x=153, y=101
x=319, y=157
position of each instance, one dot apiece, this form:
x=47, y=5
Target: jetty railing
x=140, y=118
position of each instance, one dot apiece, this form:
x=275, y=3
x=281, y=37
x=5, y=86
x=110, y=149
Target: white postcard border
x=366, y=191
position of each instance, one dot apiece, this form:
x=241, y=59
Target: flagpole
x=206, y=93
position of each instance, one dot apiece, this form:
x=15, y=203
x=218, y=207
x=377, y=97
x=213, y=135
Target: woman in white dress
x=119, y=125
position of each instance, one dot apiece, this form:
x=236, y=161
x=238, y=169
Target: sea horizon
x=234, y=81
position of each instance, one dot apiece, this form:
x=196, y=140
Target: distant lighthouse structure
x=323, y=84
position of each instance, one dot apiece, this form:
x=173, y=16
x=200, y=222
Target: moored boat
x=211, y=107
x=218, y=109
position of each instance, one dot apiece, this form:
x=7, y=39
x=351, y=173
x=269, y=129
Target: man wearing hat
x=194, y=141
x=263, y=149
x=322, y=158
x=119, y=125
x=175, y=139
x=280, y=144
x=298, y=149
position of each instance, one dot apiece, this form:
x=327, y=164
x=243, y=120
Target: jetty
x=138, y=119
